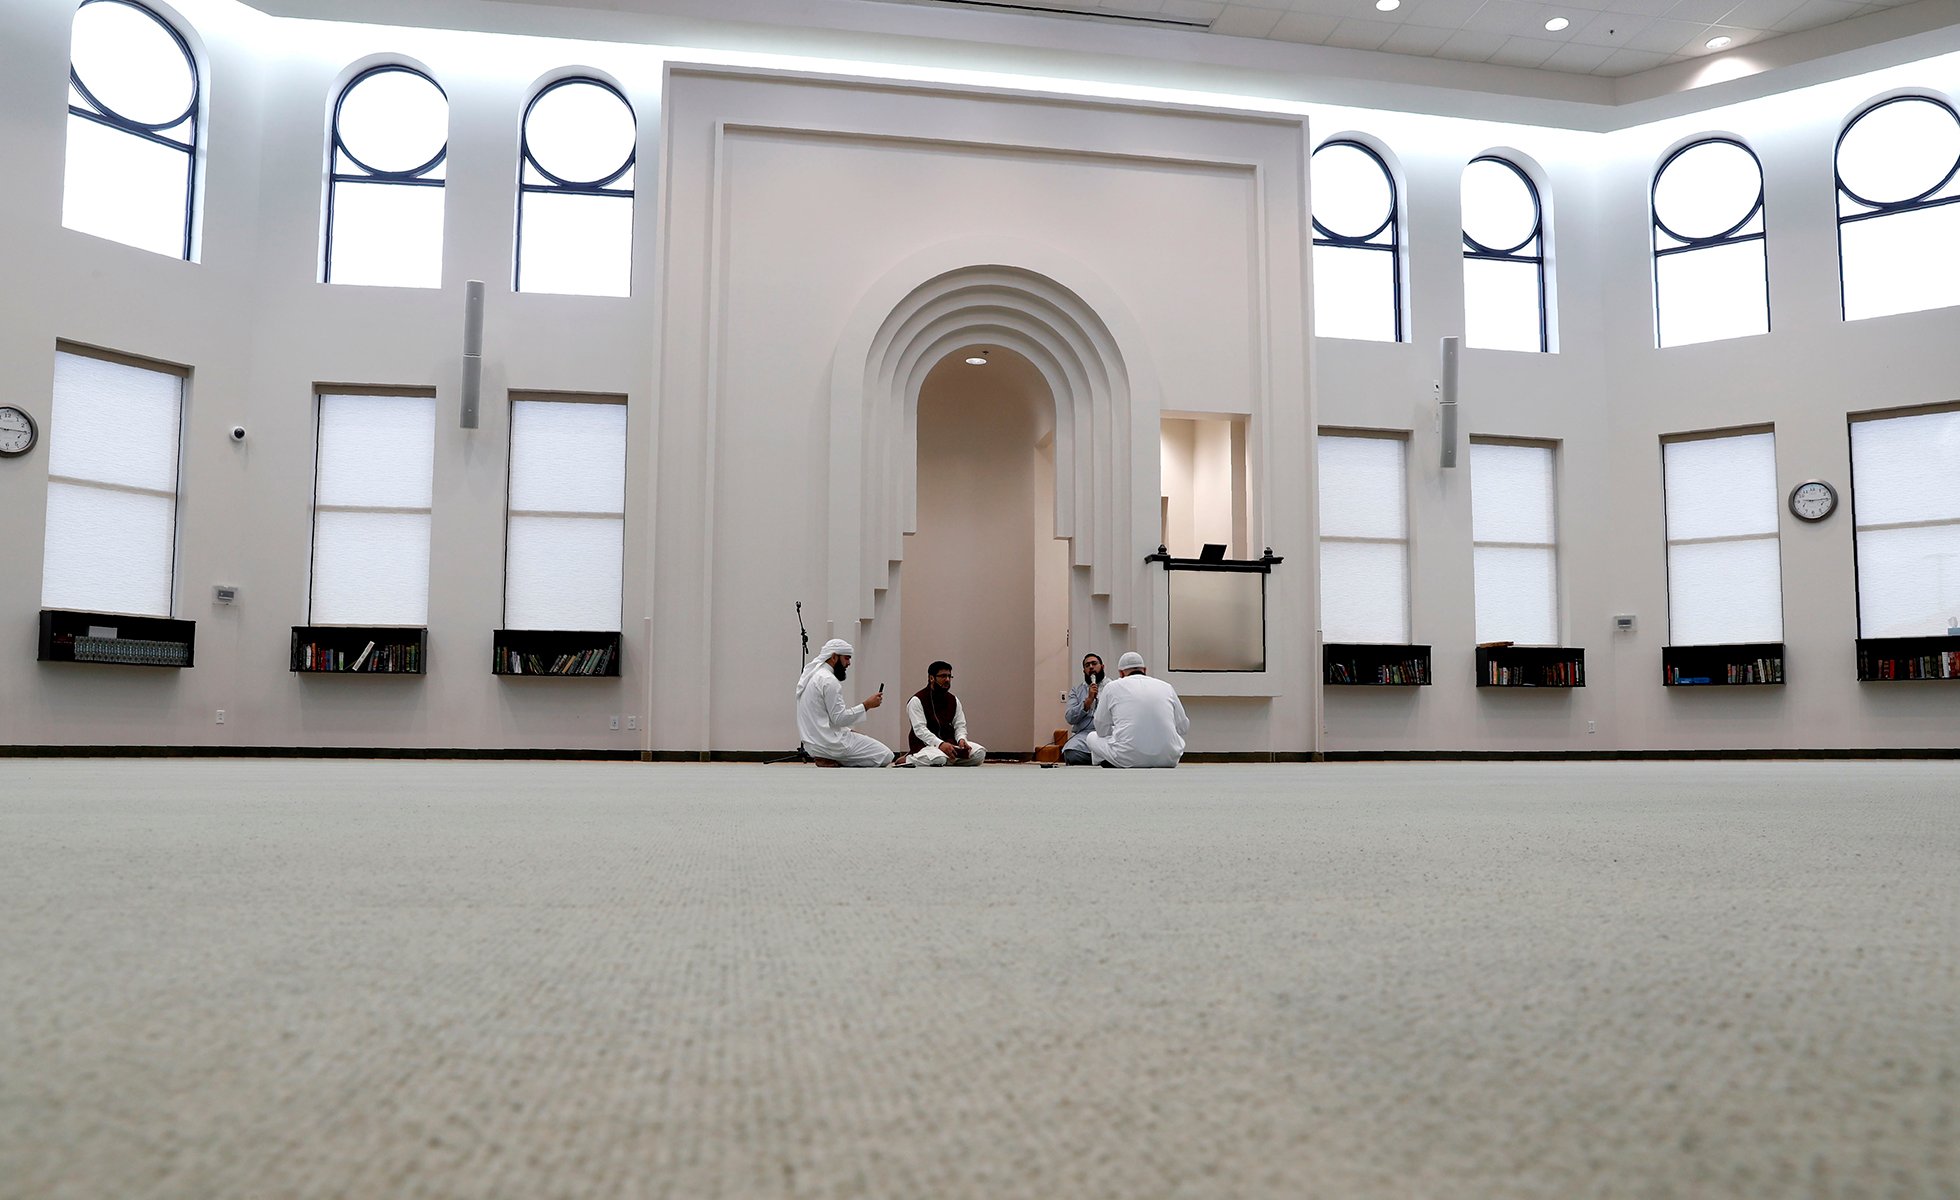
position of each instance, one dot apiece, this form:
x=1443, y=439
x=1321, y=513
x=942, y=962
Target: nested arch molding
x=1023, y=297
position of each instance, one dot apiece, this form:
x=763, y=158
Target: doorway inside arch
x=985, y=581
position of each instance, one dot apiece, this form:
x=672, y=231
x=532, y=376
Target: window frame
x=1323, y=236
x=1727, y=237
x=1404, y=439
x=1877, y=208
x=511, y=512
x=336, y=146
x=526, y=161
x=1669, y=541
x=1851, y=480
x=1551, y=448
x=1474, y=249
x=321, y=394
x=108, y=117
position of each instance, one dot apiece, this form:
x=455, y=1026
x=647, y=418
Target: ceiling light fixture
x=1719, y=41
x=1556, y=24
x=1387, y=5
x=978, y=360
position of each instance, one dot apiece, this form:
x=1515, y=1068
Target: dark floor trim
x=1632, y=755
x=307, y=752
x=775, y=756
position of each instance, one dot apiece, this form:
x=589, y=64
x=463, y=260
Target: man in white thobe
x=821, y=718
x=939, y=724
x=1140, y=722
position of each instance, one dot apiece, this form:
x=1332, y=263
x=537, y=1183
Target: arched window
x=1357, y=245
x=384, y=198
x=132, y=128
x=1503, y=258
x=1711, y=275
x=1898, y=223
x=575, y=191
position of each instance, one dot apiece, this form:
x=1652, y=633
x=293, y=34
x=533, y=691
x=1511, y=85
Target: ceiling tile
x=1508, y=17
x=1338, y=9
x=1416, y=39
x=1193, y=10
x=1304, y=27
x=1663, y=36
x=1239, y=21
x=1471, y=45
x=1577, y=59
x=1641, y=8
x=1524, y=52
x=1761, y=14
x=1818, y=12
x=1702, y=12
x=1626, y=62
x=1737, y=37
x=1439, y=14
x=1360, y=35
x=1611, y=29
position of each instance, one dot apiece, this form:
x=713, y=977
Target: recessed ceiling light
x=1716, y=43
x=1556, y=24
x=1387, y=5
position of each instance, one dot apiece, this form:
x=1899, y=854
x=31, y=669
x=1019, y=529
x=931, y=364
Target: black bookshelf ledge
x=1908, y=659
x=359, y=650
x=1552, y=667
x=1729, y=664
x=555, y=654
x=1371, y=664
x=110, y=639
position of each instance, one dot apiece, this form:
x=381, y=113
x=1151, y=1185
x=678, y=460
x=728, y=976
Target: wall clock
x=1813, y=500
x=17, y=432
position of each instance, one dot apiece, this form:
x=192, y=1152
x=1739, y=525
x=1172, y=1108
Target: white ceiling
x=1603, y=37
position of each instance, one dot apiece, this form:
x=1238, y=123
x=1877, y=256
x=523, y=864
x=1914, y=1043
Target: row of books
x=394, y=658
x=589, y=662
x=1923, y=666
x=1762, y=670
x=1412, y=671
x=1552, y=674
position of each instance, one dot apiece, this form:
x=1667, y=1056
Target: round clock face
x=17, y=432
x=1813, y=501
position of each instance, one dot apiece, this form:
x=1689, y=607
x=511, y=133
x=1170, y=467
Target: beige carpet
x=529, y=980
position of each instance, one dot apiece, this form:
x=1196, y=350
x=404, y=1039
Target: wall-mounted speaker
x=1447, y=409
x=472, y=350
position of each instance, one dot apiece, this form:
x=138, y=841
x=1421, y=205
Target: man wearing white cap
x=821, y=718
x=1140, y=722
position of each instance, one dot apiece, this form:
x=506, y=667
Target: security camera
x=237, y=433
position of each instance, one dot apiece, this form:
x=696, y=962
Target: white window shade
x=1364, y=539
x=111, y=532
x=1514, y=527
x=375, y=478
x=565, y=545
x=1724, y=557
x=1907, y=473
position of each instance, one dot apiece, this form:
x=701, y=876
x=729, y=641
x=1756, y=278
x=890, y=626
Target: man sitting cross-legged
x=823, y=721
x=939, y=724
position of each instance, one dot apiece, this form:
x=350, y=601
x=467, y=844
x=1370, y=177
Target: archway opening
x=985, y=581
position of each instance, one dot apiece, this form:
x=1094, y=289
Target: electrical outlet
x=632, y=722
x=1592, y=727
x=615, y=722
x=221, y=716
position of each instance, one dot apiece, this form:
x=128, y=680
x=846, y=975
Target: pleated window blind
x=1514, y=534
x=1907, y=506
x=565, y=541
x=371, y=502
x=113, y=437
x=1724, y=560
x=1364, y=539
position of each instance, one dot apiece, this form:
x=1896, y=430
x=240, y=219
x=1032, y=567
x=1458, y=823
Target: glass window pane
x=1517, y=594
x=121, y=187
x=1721, y=487
x=1706, y=189
x=1364, y=592
x=1499, y=211
x=131, y=63
x=376, y=451
x=393, y=120
x=564, y=573
x=1352, y=195
x=1908, y=261
x=576, y=244
x=567, y=456
x=1512, y=493
x=1362, y=488
x=108, y=550
x=1725, y=592
x=114, y=423
x=370, y=568
x=1907, y=468
x=387, y=235
x=1217, y=621
x=1899, y=151
x=1908, y=581
x=1501, y=303
x=580, y=132
x=1354, y=293
x=1713, y=293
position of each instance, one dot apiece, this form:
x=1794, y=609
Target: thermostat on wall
x=1623, y=622
x=224, y=593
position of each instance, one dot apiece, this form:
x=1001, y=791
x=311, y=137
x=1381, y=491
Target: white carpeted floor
x=530, y=980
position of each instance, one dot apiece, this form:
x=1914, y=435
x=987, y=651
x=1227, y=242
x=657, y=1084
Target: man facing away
x=939, y=724
x=1081, y=711
x=1140, y=722
x=821, y=718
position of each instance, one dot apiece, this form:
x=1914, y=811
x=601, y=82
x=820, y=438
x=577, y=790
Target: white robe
x=931, y=755
x=825, y=724
x=1140, y=722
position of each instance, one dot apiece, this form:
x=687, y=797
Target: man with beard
x=939, y=724
x=823, y=721
x=1140, y=722
x=1081, y=711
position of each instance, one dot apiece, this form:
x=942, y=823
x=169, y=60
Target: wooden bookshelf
x=109, y=639
x=1730, y=664
x=1531, y=667
x=555, y=654
x=1368, y=664
x=359, y=650
x=1908, y=659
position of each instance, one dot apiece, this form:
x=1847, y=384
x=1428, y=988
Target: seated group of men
x=1137, y=721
